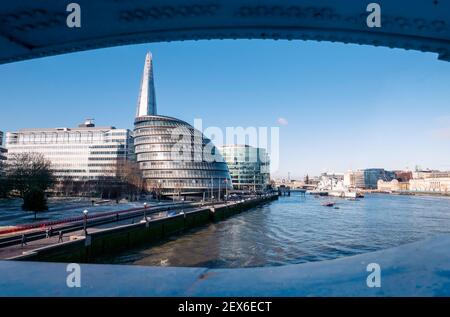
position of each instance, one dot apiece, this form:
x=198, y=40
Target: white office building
x=83, y=153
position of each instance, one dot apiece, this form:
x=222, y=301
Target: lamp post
x=212, y=196
x=145, y=212
x=219, y=189
x=85, y=214
x=226, y=189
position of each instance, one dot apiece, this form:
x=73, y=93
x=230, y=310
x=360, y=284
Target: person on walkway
x=24, y=240
x=60, y=236
x=47, y=232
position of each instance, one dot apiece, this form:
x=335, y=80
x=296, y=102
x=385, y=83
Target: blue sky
x=344, y=106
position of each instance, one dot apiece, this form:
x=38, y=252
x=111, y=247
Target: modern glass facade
x=372, y=175
x=83, y=153
x=367, y=178
x=249, y=166
x=2, y=155
x=2, y=149
x=176, y=159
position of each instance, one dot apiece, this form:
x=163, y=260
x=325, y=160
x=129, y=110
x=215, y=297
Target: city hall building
x=176, y=160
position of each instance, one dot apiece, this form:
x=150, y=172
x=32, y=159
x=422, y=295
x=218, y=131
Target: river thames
x=298, y=229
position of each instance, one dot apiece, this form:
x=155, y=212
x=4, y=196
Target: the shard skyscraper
x=176, y=160
x=147, y=100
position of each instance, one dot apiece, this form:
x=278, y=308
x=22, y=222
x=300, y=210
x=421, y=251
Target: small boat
x=342, y=194
x=318, y=193
x=328, y=204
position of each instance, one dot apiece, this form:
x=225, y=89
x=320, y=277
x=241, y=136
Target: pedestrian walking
x=24, y=240
x=60, y=236
x=47, y=233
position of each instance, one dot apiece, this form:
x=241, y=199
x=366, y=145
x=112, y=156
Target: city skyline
x=225, y=82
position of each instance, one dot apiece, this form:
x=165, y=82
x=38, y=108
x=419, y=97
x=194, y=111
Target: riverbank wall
x=121, y=238
x=411, y=193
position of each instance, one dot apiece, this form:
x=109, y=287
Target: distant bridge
x=36, y=28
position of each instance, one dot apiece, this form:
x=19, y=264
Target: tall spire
x=147, y=101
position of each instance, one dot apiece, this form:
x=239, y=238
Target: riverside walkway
x=75, y=231
x=11, y=246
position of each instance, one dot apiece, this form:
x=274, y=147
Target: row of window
x=190, y=183
x=184, y=173
x=184, y=165
x=154, y=123
x=168, y=147
x=44, y=147
x=108, y=152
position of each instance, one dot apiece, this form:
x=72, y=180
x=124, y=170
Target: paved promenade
x=19, y=249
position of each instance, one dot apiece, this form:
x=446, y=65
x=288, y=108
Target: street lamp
x=85, y=214
x=145, y=212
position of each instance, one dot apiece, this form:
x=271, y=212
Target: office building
x=83, y=153
x=2, y=156
x=432, y=185
x=354, y=179
x=2, y=149
x=372, y=175
x=249, y=166
x=392, y=186
x=367, y=178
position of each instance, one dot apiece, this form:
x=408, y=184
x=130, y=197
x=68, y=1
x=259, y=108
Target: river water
x=298, y=229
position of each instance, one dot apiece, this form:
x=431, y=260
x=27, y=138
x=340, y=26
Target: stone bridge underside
x=36, y=28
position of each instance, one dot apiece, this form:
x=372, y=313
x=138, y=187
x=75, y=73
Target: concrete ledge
x=417, y=269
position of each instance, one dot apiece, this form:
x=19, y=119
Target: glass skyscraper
x=2, y=155
x=249, y=166
x=2, y=149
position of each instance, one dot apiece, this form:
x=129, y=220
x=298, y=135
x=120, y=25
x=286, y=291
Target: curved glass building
x=175, y=159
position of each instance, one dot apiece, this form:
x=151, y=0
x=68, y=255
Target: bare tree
x=29, y=170
x=30, y=176
x=4, y=183
x=156, y=189
x=129, y=176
